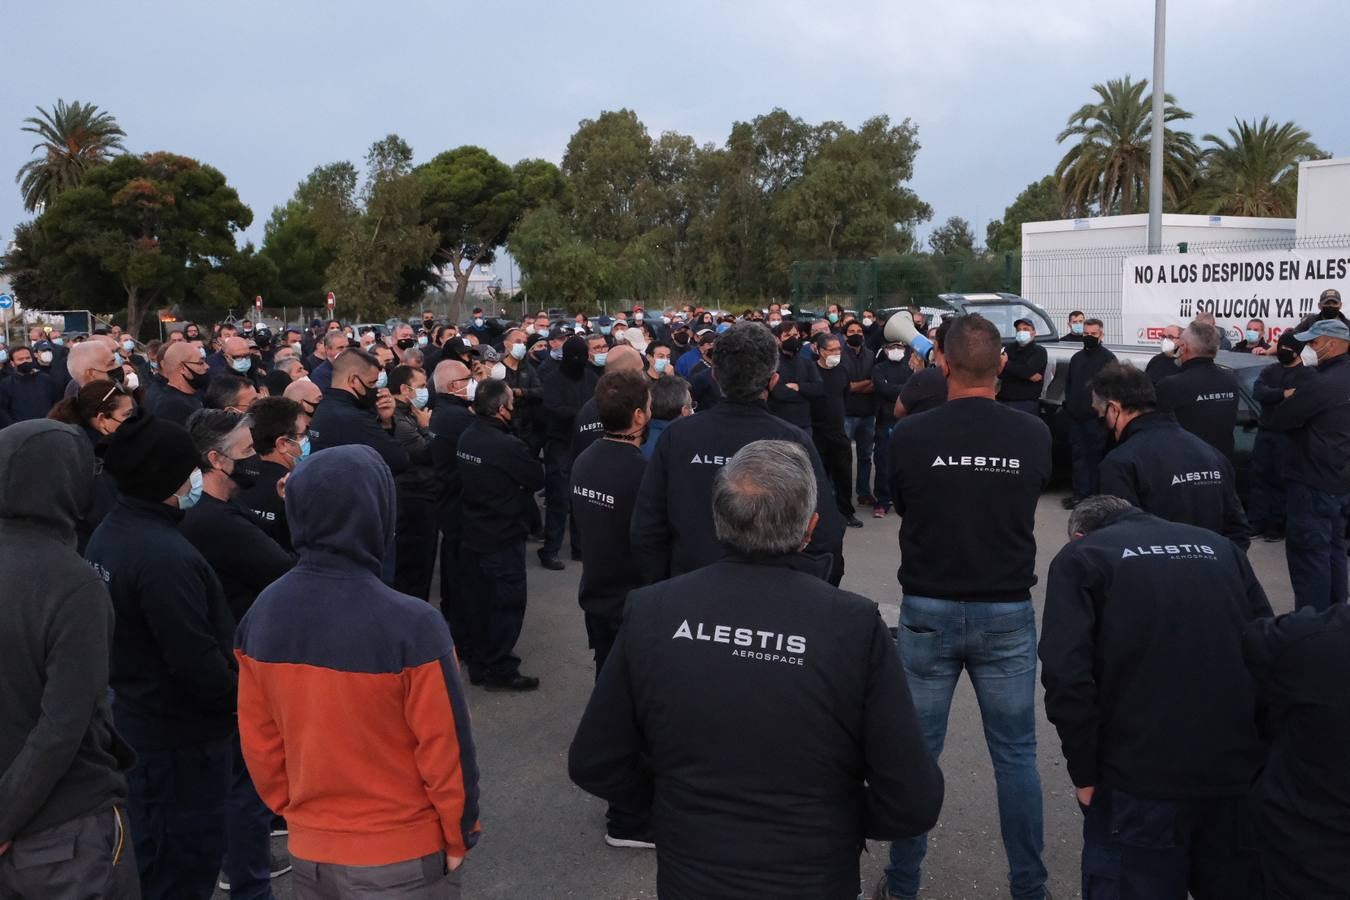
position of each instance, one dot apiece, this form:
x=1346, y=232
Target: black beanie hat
x=150, y=458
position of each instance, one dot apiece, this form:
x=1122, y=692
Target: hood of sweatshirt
x=46, y=475
x=340, y=503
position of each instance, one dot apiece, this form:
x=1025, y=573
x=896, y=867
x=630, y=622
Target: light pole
x=1155, y=160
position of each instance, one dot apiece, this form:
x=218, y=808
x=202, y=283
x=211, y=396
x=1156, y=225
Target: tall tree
x=73, y=138
x=557, y=266
x=1255, y=171
x=152, y=227
x=1039, y=202
x=470, y=200
x=952, y=237
x=607, y=162
x=1106, y=169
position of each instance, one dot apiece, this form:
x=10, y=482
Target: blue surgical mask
x=186, y=502
x=517, y=351
x=129, y=346
x=382, y=381
x=118, y=360
x=606, y=329
x=723, y=327
x=599, y=359
x=242, y=364
x=660, y=365
x=420, y=397
x=833, y=317
x=304, y=448
x=1024, y=337
x=1253, y=336
x=60, y=342
x=4, y=356
x=477, y=323
x=1076, y=327
x=422, y=341
x=555, y=353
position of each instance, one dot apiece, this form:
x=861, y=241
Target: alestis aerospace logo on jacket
x=748, y=643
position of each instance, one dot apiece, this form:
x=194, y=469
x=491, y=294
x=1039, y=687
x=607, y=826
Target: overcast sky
x=265, y=91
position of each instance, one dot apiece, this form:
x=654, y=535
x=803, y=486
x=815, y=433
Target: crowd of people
x=239, y=632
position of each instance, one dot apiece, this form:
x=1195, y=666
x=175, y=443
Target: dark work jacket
x=1301, y=666
x=1161, y=366
x=243, y=557
x=1083, y=367
x=268, y=509
x=587, y=428
x=60, y=758
x=419, y=479
x=498, y=475
x=104, y=494
x=605, y=481
x=448, y=421
x=322, y=375
x=704, y=389
x=1204, y=398
x=563, y=398
x=528, y=415
x=168, y=403
x=765, y=719
x=24, y=397
x=795, y=406
x=827, y=410
x=1275, y=379
x=339, y=422
x=857, y=365
x=888, y=379
x=1141, y=651
x=1317, y=417
x=672, y=530
x=1165, y=470
x=1023, y=362
x=173, y=669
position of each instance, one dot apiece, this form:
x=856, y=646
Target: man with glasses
x=185, y=377
x=229, y=392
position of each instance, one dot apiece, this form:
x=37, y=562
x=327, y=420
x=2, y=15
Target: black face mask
x=682, y=340
x=407, y=343
x=28, y=368
x=1330, y=313
x=854, y=340
x=246, y=472
x=366, y=400
x=116, y=375
x=195, y=380
x=1286, y=356
x=792, y=346
x=1091, y=342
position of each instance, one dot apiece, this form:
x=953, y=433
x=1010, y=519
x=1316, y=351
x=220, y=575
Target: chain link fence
x=910, y=280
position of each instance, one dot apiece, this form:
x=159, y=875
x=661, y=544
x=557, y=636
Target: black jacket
x=563, y=398
x=1141, y=651
x=828, y=410
x=24, y=397
x=173, y=668
x=449, y=419
x=1083, y=367
x=419, y=479
x=59, y=755
x=498, y=476
x=795, y=406
x=586, y=429
x=672, y=522
x=605, y=481
x=1204, y=398
x=888, y=379
x=1318, y=418
x=1301, y=666
x=1275, y=379
x=1165, y=470
x=339, y=422
x=765, y=719
x=169, y=403
x=857, y=365
x=1161, y=366
x=268, y=509
x=243, y=557
x=1023, y=362
x=528, y=416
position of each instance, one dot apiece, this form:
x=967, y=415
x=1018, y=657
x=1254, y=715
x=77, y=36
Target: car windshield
x=1004, y=314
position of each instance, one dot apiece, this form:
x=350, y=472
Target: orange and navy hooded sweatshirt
x=352, y=717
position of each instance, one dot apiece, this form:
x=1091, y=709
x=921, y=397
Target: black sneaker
x=279, y=828
x=552, y=563
x=1273, y=534
x=853, y=522
x=515, y=683
x=280, y=865
x=642, y=841
x=1070, y=502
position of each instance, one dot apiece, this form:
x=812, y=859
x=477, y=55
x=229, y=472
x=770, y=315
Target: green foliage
x=291, y=243
x=1106, y=168
x=73, y=138
x=1255, y=171
x=953, y=237
x=146, y=231
x=1039, y=202
x=556, y=264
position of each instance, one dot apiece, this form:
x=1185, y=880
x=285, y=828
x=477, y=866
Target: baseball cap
x=1330, y=295
x=1332, y=328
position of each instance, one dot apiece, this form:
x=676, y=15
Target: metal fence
x=1091, y=280
x=911, y=279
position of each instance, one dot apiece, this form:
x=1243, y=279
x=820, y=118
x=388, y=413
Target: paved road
x=544, y=838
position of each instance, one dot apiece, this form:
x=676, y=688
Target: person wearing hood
x=98, y=410
x=418, y=486
x=173, y=675
x=352, y=716
x=1159, y=466
x=564, y=395
x=30, y=393
x=358, y=409
x=245, y=560
x=63, y=790
x=185, y=377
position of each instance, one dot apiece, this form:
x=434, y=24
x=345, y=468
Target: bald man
x=179, y=394
x=93, y=360
x=449, y=417
x=306, y=393
x=234, y=356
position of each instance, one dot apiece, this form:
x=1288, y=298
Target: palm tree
x=1107, y=169
x=1255, y=171
x=74, y=138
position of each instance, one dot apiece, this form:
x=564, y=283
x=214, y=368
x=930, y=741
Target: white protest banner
x=1279, y=287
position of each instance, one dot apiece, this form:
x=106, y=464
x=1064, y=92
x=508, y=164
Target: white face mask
x=1308, y=355
x=896, y=354
x=1169, y=346
x=517, y=351
x=498, y=371
x=420, y=397
x=45, y=357
x=638, y=342
x=130, y=381
x=470, y=390
x=832, y=361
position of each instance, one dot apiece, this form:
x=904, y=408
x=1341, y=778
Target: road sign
x=331, y=300
x=6, y=301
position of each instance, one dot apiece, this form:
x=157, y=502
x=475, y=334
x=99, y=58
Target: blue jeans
x=1314, y=545
x=1138, y=848
x=861, y=431
x=996, y=644
x=1087, y=443
x=248, y=836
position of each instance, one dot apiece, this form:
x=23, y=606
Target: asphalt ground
x=544, y=838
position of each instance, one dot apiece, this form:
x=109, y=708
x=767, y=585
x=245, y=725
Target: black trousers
x=415, y=540
x=496, y=604
x=601, y=632
x=836, y=454
x=454, y=596
x=557, y=504
x=91, y=856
